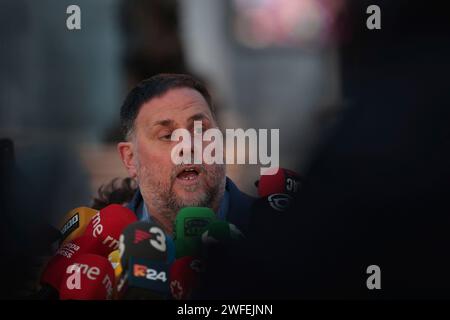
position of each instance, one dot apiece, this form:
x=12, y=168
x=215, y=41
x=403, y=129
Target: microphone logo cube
x=195, y=227
x=148, y=274
x=70, y=225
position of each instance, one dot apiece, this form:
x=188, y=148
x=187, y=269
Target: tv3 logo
x=156, y=237
x=148, y=273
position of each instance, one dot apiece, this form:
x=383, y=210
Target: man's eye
x=165, y=137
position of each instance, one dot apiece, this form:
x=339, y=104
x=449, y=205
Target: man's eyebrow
x=198, y=116
x=169, y=122
x=164, y=122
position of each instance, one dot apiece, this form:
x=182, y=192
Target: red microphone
x=184, y=275
x=284, y=181
x=277, y=193
x=106, y=226
x=88, y=277
x=100, y=238
x=53, y=272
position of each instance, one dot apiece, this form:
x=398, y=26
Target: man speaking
x=151, y=112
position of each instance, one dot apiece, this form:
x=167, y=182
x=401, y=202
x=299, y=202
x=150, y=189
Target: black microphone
x=277, y=195
x=146, y=254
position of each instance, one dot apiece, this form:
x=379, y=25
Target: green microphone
x=221, y=232
x=190, y=224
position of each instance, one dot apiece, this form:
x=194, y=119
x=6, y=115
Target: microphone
x=184, y=275
x=75, y=223
x=284, y=181
x=267, y=215
x=221, y=245
x=144, y=279
x=145, y=240
x=106, y=226
x=114, y=259
x=55, y=268
x=226, y=258
x=221, y=234
x=145, y=255
x=277, y=193
x=100, y=237
x=190, y=223
x=88, y=277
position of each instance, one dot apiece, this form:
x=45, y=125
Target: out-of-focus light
x=285, y=23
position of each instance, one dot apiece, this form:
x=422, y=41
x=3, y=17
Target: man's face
x=167, y=187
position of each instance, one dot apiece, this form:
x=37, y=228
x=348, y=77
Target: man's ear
x=127, y=155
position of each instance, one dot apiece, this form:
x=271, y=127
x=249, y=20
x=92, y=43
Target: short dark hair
x=155, y=87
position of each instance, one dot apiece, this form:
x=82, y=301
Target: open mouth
x=188, y=173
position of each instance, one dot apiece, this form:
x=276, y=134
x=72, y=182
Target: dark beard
x=169, y=203
x=174, y=204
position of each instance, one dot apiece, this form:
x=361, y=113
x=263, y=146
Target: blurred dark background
x=363, y=116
